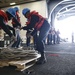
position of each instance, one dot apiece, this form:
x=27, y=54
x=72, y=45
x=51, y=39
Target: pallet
x=21, y=64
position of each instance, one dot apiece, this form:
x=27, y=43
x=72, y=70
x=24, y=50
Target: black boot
x=42, y=59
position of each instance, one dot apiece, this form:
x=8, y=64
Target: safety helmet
x=11, y=11
x=16, y=8
x=25, y=10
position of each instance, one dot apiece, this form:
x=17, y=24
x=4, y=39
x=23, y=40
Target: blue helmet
x=25, y=10
x=16, y=8
x=11, y=11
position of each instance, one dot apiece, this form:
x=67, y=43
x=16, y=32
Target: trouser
x=11, y=28
x=54, y=39
x=17, y=43
x=29, y=38
x=58, y=39
x=49, y=39
x=6, y=29
x=28, y=41
x=40, y=39
x=35, y=40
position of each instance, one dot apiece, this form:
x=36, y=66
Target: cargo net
x=14, y=53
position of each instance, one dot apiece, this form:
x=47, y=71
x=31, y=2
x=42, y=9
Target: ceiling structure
x=67, y=9
x=61, y=10
x=6, y=3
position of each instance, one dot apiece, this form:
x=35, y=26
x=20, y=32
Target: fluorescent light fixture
x=12, y=3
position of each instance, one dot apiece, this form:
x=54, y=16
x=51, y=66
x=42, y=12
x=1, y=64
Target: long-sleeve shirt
x=34, y=20
x=3, y=25
x=16, y=21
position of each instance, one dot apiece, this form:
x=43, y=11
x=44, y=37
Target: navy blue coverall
x=43, y=32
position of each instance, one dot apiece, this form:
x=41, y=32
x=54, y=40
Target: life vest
x=4, y=15
x=17, y=17
x=39, y=23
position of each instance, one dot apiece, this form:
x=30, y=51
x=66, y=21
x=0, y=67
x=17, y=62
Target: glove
x=19, y=27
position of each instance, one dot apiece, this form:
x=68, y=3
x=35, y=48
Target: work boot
x=42, y=60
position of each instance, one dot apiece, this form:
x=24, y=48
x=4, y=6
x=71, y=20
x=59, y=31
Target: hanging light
x=12, y=3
